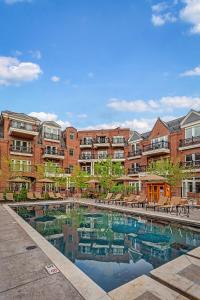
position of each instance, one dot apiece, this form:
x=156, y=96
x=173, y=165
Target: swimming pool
x=111, y=248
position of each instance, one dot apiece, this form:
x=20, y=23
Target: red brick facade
x=26, y=142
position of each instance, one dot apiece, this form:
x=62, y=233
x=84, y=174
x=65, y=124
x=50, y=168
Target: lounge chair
x=30, y=196
x=2, y=197
x=108, y=197
x=52, y=196
x=161, y=202
x=130, y=200
x=9, y=197
x=116, y=199
x=174, y=203
x=139, y=200
x=38, y=196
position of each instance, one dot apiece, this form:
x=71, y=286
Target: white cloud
x=193, y=72
x=132, y=106
x=12, y=71
x=17, y=53
x=43, y=116
x=157, y=8
x=191, y=14
x=36, y=54
x=90, y=75
x=160, y=105
x=141, y=125
x=82, y=116
x=55, y=78
x=16, y=1
x=160, y=20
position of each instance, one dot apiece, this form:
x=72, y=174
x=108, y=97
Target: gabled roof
x=192, y=117
x=135, y=136
x=20, y=116
x=51, y=123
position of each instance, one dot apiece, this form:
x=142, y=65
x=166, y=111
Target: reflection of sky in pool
x=111, y=248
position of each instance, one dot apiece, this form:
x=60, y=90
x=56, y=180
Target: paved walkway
x=23, y=275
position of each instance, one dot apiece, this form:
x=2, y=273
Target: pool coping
x=86, y=287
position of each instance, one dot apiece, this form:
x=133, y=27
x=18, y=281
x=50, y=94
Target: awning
x=153, y=177
x=46, y=180
x=124, y=178
x=19, y=180
x=93, y=181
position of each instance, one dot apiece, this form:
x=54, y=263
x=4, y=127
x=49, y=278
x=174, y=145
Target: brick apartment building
x=26, y=142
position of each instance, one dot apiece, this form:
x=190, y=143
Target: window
x=51, y=133
x=102, y=154
x=119, y=154
x=20, y=165
x=118, y=140
x=71, y=152
x=71, y=135
x=71, y=169
x=86, y=155
x=192, y=132
x=22, y=146
x=159, y=139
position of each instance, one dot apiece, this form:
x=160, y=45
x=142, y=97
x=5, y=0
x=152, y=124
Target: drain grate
x=31, y=247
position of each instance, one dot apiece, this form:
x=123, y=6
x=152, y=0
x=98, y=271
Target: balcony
x=58, y=154
x=119, y=142
x=89, y=157
x=158, y=148
x=101, y=142
x=52, y=137
x=191, y=165
x=190, y=143
x=86, y=143
x=23, y=170
x=118, y=157
x=23, y=130
x=136, y=170
x=20, y=150
x=135, y=154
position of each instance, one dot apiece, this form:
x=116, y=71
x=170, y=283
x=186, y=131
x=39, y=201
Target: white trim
x=187, y=116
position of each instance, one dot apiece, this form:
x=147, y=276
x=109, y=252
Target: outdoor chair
x=30, y=196
x=139, y=200
x=161, y=202
x=176, y=203
x=126, y=200
x=9, y=197
x=108, y=197
x=58, y=196
x=2, y=197
x=39, y=196
x=116, y=199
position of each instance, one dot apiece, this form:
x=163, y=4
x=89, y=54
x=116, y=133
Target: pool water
x=111, y=248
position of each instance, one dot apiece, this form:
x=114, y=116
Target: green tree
x=79, y=178
x=172, y=171
x=107, y=171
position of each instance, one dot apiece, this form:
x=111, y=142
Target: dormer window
x=51, y=133
x=192, y=132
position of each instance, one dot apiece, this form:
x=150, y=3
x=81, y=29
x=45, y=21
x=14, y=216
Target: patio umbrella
x=152, y=177
x=93, y=181
x=46, y=180
x=124, y=178
x=19, y=180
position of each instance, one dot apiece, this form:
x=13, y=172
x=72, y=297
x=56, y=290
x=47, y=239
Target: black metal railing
x=99, y=140
x=86, y=142
x=53, y=152
x=21, y=149
x=118, y=156
x=135, y=153
x=189, y=141
x=137, y=170
x=190, y=164
x=156, y=146
x=118, y=141
x=51, y=136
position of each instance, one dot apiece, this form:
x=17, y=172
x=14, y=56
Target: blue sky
x=93, y=63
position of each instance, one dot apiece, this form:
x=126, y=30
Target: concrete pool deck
x=24, y=275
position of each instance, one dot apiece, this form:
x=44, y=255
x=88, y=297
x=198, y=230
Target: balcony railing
x=21, y=149
x=101, y=156
x=51, y=136
x=99, y=140
x=137, y=170
x=191, y=164
x=189, y=141
x=135, y=153
x=156, y=146
x=85, y=142
x=22, y=168
x=53, y=152
x=118, y=141
x=23, y=126
x=118, y=156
